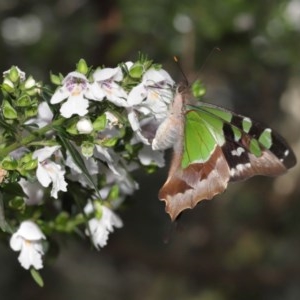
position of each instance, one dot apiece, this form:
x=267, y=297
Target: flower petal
x=30, y=257
x=43, y=176
x=16, y=242
x=30, y=231
x=108, y=73
x=44, y=153
x=60, y=94
x=75, y=105
x=137, y=95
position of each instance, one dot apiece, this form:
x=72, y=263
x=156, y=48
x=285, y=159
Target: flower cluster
x=67, y=156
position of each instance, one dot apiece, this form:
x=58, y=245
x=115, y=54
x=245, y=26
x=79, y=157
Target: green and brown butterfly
x=213, y=146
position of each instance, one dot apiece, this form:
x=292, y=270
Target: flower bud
x=7, y=85
x=84, y=126
x=8, y=111
x=82, y=67
x=29, y=83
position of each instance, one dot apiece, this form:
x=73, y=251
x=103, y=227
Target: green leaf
x=71, y=127
x=6, y=126
x=198, y=89
x=111, y=142
x=8, y=163
x=77, y=159
x=57, y=80
x=17, y=203
x=100, y=123
x=37, y=277
x=113, y=193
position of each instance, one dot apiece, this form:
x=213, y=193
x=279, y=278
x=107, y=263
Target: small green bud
x=87, y=149
x=31, y=112
x=136, y=71
x=113, y=193
x=8, y=111
x=8, y=85
x=82, y=67
x=31, y=86
x=31, y=165
x=8, y=163
x=14, y=74
x=23, y=101
x=17, y=203
x=29, y=83
x=55, y=79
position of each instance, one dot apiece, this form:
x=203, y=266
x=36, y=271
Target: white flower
x=112, y=120
x=48, y=171
x=154, y=94
x=84, y=126
x=28, y=240
x=109, y=156
x=77, y=89
x=105, y=86
x=148, y=156
x=100, y=228
x=33, y=190
x=44, y=116
x=150, y=98
x=76, y=173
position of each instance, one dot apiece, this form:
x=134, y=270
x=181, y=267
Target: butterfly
x=211, y=147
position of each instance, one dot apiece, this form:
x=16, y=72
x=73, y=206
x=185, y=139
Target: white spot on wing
x=238, y=151
x=239, y=169
x=286, y=153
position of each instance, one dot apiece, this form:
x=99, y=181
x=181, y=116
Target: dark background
x=245, y=244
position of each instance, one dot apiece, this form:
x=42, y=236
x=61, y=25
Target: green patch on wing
x=266, y=138
x=255, y=148
x=204, y=129
x=247, y=124
x=203, y=132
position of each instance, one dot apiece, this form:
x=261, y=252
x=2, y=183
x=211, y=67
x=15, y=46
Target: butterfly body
x=213, y=146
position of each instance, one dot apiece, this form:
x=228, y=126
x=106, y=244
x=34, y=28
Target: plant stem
x=30, y=138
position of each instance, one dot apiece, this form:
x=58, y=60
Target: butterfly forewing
x=250, y=148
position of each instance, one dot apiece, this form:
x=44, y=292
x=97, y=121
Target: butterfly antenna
x=212, y=51
x=186, y=82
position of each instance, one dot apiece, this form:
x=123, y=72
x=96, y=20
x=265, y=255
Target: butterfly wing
x=250, y=148
x=219, y=146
